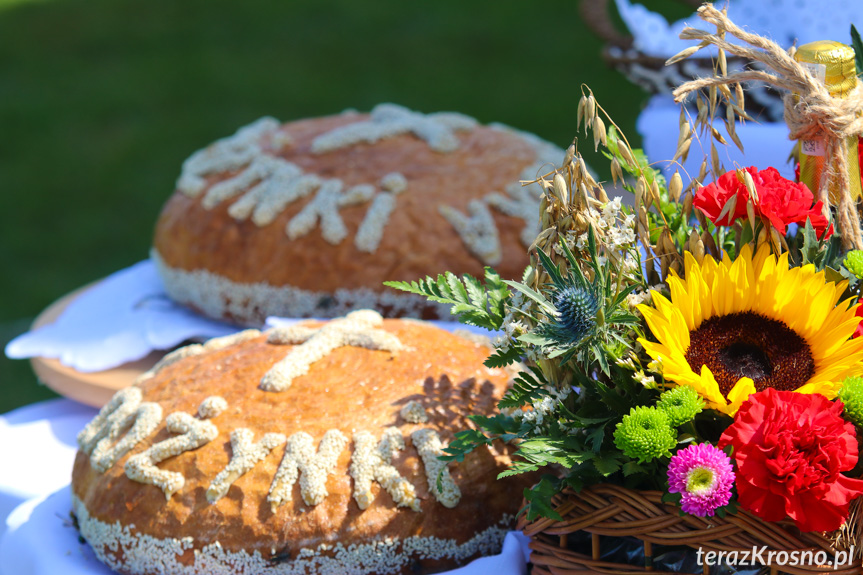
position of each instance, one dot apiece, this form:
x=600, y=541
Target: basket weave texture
x=614, y=511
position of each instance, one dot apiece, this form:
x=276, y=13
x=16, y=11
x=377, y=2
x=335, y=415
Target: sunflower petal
x=739, y=393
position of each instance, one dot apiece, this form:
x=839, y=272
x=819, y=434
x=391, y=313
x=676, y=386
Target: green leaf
x=459, y=293
x=503, y=358
x=811, y=245
x=525, y=389
x=671, y=497
x=539, y=499
x=535, y=339
x=594, y=438
x=499, y=424
x=552, y=269
x=612, y=399
x=857, y=44
x=463, y=443
x=607, y=465
x=532, y=294
x=631, y=468
x=601, y=358
x=472, y=303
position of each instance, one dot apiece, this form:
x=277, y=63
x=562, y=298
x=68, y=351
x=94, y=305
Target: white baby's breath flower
x=636, y=298
x=517, y=299
x=532, y=416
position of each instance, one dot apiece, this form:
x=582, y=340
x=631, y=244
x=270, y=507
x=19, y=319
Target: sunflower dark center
x=747, y=344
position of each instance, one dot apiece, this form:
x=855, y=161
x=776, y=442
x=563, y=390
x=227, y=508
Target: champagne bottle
x=832, y=63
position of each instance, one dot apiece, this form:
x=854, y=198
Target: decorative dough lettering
x=244, y=456
x=195, y=433
x=99, y=439
x=430, y=448
x=388, y=120
x=357, y=329
x=373, y=462
x=478, y=231
x=300, y=458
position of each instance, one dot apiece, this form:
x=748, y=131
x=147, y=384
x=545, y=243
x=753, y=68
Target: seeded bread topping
x=337, y=473
x=277, y=219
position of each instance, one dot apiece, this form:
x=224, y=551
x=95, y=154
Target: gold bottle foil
x=832, y=63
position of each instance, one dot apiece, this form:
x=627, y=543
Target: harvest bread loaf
x=308, y=219
x=307, y=449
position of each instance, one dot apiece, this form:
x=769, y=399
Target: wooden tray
x=93, y=388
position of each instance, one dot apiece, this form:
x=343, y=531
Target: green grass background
x=101, y=101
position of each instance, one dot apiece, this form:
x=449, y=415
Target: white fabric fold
x=122, y=318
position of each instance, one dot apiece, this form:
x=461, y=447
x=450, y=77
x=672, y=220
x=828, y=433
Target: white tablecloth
x=122, y=318
x=37, y=450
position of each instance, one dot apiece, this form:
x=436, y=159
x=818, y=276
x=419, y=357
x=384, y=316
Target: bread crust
x=417, y=239
x=351, y=389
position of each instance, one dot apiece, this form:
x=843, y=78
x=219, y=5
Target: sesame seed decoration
x=371, y=229
x=217, y=296
x=110, y=418
x=413, y=412
x=194, y=434
x=430, y=448
x=144, y=553
x=324, y=208
x=357, y=329
x=746, y=344
x=304, y=461
x=245, y=455
x=268, y=184
x=389, y=120
x=224, y=155
x=478, y=230
x=230, y=339
x=394, y=182
x=372, y=461
x=310, y=467
x=211, y=407
x=197, y=349
x=262, y=168
x=124, y=413
x=169, y=358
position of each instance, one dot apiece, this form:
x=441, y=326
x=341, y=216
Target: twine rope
x=810, y=112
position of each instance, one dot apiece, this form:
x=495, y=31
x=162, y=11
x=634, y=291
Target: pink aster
x=703, y=474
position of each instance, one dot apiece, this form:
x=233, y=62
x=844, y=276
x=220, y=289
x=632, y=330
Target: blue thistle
x=576, y=312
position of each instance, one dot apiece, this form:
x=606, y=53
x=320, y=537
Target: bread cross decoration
x=358, y=329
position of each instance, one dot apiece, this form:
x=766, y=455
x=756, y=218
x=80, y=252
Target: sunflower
x=734, y=328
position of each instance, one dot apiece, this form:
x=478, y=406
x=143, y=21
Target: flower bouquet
x=688, y=380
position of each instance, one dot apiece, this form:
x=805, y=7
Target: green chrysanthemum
x=854, y=262
x=851, y=395
x=645, y=434
x=680, y=404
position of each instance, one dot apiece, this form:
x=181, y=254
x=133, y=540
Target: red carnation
x=790, y=449
x=781, y=201
x=860, y=157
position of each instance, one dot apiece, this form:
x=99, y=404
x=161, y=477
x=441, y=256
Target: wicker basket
x=614, y=511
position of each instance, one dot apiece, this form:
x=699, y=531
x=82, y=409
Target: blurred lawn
x=101, y=100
